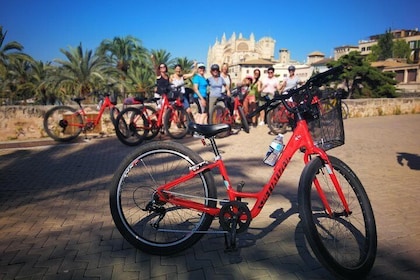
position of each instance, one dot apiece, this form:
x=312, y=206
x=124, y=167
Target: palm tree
x=140, y=78
x=185, y=63
x=122, y=51
x=84, y=72
x=161, y=56
x=10, y=53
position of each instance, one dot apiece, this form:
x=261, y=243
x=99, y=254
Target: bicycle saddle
x=208, y=130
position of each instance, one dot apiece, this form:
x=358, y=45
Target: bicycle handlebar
x=314, y=81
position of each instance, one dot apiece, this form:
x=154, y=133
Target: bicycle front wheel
x=344, y=243
x=156, y=227
x=114, y=112
x=63, y=123
x=176, y=122
x=131, y=126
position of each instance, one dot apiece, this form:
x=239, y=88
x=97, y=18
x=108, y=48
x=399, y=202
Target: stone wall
x=25, y=122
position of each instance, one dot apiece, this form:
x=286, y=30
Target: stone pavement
x=55, y=221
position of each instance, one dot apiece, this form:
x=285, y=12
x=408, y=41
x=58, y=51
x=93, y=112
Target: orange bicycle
x=163, y=196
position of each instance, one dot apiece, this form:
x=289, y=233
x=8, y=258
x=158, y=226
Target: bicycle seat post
x=214, y=147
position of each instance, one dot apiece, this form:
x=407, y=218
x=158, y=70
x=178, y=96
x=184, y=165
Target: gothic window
x=242, y=47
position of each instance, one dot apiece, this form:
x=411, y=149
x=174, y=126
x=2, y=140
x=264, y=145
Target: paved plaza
x=55, y=221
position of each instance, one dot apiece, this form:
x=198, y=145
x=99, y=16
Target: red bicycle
x=136, y=124
x=278, y=118
x=231, y=112
x=65, y=123
x=163, y=196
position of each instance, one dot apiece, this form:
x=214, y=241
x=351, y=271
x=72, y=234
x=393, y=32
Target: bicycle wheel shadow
x=411, y=160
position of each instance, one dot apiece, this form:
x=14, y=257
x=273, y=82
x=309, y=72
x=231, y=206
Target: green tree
x=385, y=44
x=363, y=81
x=122, y=51
x=84, y=72
x=401, y=49
x=161, y=56
x=141, y=78
x=13, y=63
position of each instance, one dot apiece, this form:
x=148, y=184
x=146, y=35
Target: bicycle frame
x=105, y=104
x=166, y=104
x=301, y=138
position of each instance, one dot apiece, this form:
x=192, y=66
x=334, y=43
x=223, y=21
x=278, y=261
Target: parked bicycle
x=163, y=196
x=65, y=123
x=136, y=124
x=231, y=113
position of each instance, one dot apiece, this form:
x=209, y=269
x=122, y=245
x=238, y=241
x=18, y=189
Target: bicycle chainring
x=235, y=214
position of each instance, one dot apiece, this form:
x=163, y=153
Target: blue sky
x=187, y=28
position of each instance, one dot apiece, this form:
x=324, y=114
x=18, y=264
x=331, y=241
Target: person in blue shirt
x=200, y=93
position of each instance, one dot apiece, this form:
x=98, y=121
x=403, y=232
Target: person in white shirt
x=268, y=87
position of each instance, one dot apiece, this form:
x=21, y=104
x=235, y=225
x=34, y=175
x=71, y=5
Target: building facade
x=238, y=49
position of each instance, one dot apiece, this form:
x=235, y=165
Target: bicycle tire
x=176, y=122
x=244, y=121
x=345, y=245
x=114, y=112
x=274, y=120
x=220, y=115
x=131, y=126
x=63, y=123
x=151, y=115
x=344, y=110
x=132, y=188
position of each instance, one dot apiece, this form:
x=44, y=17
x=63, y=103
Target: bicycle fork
x=333, y=214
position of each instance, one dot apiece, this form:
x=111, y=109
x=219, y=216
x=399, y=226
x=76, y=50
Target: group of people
x=218, y=84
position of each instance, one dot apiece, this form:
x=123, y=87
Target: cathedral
x=238, y=49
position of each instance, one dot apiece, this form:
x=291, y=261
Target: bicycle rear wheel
x=220, y=115
x=135, y=211
x=345, y=244
x=176, y=122
x=131, y=126
x=277, y=120
x=63, y=123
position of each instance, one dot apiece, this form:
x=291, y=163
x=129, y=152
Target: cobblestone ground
x=55, y=221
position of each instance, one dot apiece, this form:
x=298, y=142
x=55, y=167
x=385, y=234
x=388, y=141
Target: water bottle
x=274, y=150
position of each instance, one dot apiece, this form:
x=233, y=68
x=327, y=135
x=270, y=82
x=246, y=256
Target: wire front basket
x=327, y=128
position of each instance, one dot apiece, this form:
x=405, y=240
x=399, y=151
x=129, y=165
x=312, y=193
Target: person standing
x=268, y=88
x=178, y=79
x=200, y=93
x=217, y=88
x=224, y=73
x=251, y=102
x=162, y=77
x=292, y=81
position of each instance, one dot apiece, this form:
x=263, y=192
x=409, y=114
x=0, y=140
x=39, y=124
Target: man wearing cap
x=217, y=87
